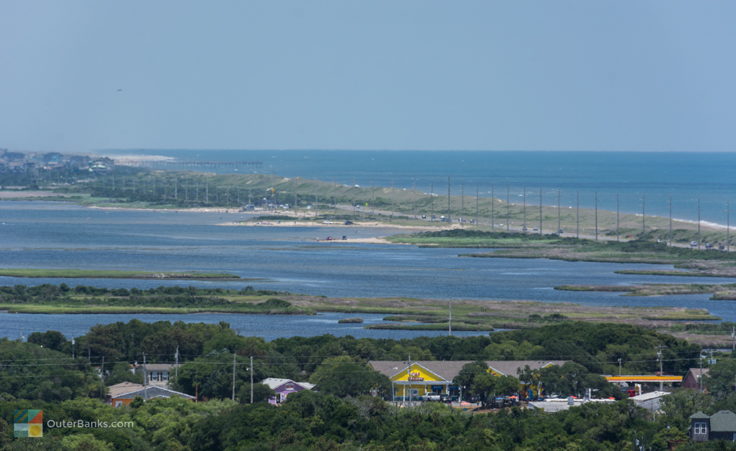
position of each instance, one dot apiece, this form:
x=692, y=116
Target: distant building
x=78, y=162
x=719, y=426
x=434, y=377
x=158, y=374
x=693, y=377
x=651, y=401
x=124, y=393
x=101, y=164
x=283, y=388
x=559, y=405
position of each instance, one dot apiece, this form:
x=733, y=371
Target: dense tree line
x=29, y=371
x=207, y=351
x=596, y=347
x=173, y=295
x=340, y=415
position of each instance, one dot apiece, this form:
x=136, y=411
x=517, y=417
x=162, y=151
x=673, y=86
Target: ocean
x=642, y=180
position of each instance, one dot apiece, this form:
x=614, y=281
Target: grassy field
x=517, y=245
x=718, y=291
x=113, y=274
x=407, y=313
x=144, y=188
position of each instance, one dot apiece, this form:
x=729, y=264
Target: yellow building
x=416, y=380
x=421, y=378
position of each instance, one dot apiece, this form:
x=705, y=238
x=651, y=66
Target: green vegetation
x=407, y=313
x=475, y=380
x=25, y=372
x=113, y=274
x=674, y=273
x=455, y=326
x=123, y=186
x=345, y=376
x=82, y=299
x=718, y=291
x=340, y=415
x=699, y=263
x=478, y=239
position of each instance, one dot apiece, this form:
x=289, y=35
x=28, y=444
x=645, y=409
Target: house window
x=165, y=376
x=700, y=428
x=118, y=403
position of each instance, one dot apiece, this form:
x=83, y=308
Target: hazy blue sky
x=597, y=75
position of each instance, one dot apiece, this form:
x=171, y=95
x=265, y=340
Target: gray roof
x=153, y=391
x=448, y=369
x=274, y=383
x=123, y=388
x=512, y=367
x=723, y=421
x=696, y=372
x=699, y=416
x=159, y=366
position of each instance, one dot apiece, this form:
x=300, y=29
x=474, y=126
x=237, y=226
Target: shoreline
x=39, y=194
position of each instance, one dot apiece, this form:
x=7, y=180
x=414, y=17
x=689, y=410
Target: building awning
x=645, y=379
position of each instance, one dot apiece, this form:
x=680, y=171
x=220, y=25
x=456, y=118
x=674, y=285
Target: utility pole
x=462, y=198
x=577, y=214
x=559, y=214
x=449, y=218
x=619, y=366
x=233, y=395
x=618, y=222
x=596, y=215
x=493, y=215
x=728, y=226
x=102, y=376
x=669, y=234
x=449, y=318
x=431, y=201
x=145, y=372
x=523, y=228
x=643, y=213
x=251, y=379
x=661, y=370
x=698, y=236
x=540, y=211
x=508, y=208
x=176, y=366
x=477, y=208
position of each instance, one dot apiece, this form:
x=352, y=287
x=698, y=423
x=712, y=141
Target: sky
x=634, y=75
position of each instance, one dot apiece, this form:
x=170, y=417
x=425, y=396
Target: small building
x=158, y=374
x=283, y=388
x=719, y=426
x=693, y=378
x=412, y=380
x=559, y=405
x=651, y=401
x=124, y=393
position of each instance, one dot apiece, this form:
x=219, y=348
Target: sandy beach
x=9, y=194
